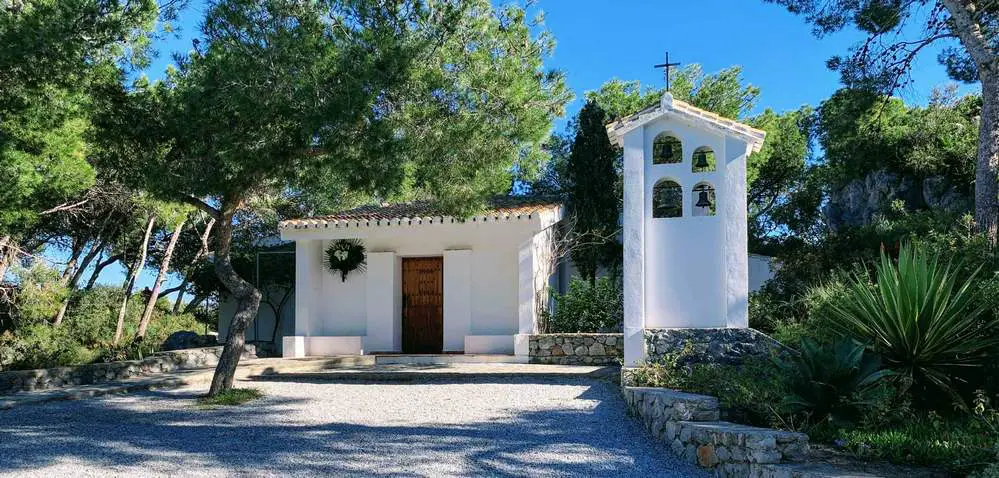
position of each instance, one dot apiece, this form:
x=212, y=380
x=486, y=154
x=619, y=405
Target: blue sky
x=601, y=40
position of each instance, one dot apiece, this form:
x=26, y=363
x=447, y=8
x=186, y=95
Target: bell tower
x=685, y=221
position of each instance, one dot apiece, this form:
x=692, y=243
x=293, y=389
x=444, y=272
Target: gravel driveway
x=532, y=426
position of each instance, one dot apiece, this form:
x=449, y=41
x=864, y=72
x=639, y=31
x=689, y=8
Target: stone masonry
x=50, y=378
x=725, y=346
x=577, y=349
x=689, y=425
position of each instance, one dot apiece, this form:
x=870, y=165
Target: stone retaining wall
x=689, y=426
x=725, y=346
x=43, y=379
x=577, y=349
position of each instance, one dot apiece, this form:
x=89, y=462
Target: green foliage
x=723, y=93
x=87, y=331
x=836, y=383
x=41, y=346
x=57, y=54
x=593, y=204
x=893, y=27
x=587, y=307
x=861, y=132
x=919, y=317
x=958, y=443
x=990, y=471
x=40, y=295
x=751, y=393
x=407, y=91
x=230, y=398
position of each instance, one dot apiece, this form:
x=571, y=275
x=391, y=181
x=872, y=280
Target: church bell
x=702, y=199
x=701, y=160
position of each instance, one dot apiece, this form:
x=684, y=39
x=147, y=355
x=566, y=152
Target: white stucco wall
x=482, y=282
x=684, y=256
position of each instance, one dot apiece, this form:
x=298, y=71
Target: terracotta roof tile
x=500, y=206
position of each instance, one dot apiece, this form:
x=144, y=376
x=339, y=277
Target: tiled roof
x=753, y=136
x=419, y=212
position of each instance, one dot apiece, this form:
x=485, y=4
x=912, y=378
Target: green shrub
x=990, y=471
x=586, y=307
x=94, y=314
x=40, y=295
x=836, y=383
x=751, y=393
x=41, y=346
x=124, y=350
x=87, y=332
x=923, y=322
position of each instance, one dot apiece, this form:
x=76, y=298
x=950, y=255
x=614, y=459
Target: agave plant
x=837, y=381
x=918, y=317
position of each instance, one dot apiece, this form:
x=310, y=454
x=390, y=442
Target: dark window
x=703, y=160
x=666, y=149
x=667, y=199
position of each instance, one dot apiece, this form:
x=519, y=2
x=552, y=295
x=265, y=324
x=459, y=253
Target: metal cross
x=666, y=66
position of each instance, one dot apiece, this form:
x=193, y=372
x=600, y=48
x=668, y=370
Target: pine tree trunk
x=71, y=265
x=164, y=268
x=75, y=279
x=194, y=303
x=6, y=255
x=180, y=297
x=133, y=274
x=97, y=270
x=247, y=302
x=987, y=169
x=202, y=251
x=968, y=24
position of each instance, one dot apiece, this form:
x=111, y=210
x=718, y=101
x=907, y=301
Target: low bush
x=41, y=346
x=752, y=393
x=835, y=384
x=87, y=331
x=990, y=471
x=586, y=307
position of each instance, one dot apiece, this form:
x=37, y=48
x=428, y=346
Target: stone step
x=660, y=405
x=718, y=443
x=446, y=359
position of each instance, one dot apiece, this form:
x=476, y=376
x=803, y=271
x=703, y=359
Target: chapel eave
x=670, y=106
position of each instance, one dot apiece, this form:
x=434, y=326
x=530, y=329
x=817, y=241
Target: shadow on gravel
x=602, y=441
x=443, y=378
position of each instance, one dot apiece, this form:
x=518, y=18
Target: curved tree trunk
x=247, y=302
x=98, y=268
x=147, y=314
x=75, y=279
x=133, y=274
x=194, y=303
x=180, y=297
x=202, y=251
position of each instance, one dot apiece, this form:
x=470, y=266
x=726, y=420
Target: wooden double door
x=423, y=305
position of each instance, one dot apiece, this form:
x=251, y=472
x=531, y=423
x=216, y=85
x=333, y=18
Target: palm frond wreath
x=344, y=256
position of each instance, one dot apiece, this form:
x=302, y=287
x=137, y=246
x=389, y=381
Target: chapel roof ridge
x=502, y=206
x=617, y=128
